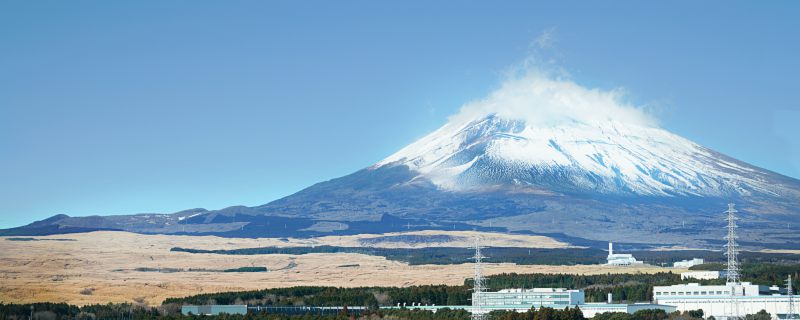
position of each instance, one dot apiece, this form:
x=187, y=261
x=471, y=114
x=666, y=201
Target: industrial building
x=522, y=300
x=718, y=301
x=591, y=309
x=695, y=289
x=214, y=310
x=620, y=259
x=735, y=299
x=687, y=263
x=702, y=275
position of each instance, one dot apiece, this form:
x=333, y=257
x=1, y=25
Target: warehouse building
x=522, y=300
x=213, y=310
x=727, y=301
x=702, y=275
x=687, y=263
x=695, y=289
x=591, y=309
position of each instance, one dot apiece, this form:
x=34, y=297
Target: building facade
x=592, y=309
x=214, y=310
x=687, y=263
x=524, y=299
x=702, y=275
x=695, y=289
x=726, y=301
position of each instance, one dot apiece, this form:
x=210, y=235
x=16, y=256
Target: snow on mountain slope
x=555, y=135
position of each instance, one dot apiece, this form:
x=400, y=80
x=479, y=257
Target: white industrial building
x=620, y=259
x=687, y=263
x=735, y=299
x=702, y=275
x=589, y=310
x=724, y=301
x=695, y=289
x=522, y=300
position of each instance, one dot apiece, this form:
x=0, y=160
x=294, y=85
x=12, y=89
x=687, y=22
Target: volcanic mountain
x=537, y=156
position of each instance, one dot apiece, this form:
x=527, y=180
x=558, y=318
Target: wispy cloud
x=544, y=98
x=541, y=92
x=546, y=39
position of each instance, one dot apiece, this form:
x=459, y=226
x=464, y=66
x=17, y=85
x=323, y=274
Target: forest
x=632, y=287
x=127, y=312
x=561, y=256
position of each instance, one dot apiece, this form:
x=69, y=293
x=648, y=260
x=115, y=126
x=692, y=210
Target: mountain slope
x=549, y=156
x=536, y=156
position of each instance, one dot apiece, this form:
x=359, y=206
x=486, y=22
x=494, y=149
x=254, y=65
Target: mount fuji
x=537, y=155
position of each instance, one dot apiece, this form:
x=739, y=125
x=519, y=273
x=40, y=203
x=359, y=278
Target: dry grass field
x=99, y=267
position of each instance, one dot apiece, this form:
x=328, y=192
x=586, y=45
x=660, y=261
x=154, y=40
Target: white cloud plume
x=545, y=99
x=546, y=39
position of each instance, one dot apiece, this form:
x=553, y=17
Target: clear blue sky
x=111, y=107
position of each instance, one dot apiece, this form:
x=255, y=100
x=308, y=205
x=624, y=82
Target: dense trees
x=63, y=311
x=761, y=273
x=371, y=297
x=625, y=287
x=636, y=286
x=451, y=255
x=437, y=255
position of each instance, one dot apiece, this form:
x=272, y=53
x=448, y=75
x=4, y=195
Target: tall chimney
x=610, y=248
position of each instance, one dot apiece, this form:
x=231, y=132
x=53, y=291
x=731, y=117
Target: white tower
x=477, y=291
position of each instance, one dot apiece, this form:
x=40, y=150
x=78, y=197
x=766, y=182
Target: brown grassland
x=100, y=267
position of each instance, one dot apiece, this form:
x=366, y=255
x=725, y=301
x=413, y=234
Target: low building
x=214, y=310
x=702, y=275
x=695, y=289
x=620, y=259
x=726, y=301
x=687, y=263
x=524, y=299
x=592, y=309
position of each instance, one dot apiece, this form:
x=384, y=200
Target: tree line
x=625, y=287
x=453, y=255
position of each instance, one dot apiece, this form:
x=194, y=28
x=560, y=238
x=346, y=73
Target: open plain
x=102, y=267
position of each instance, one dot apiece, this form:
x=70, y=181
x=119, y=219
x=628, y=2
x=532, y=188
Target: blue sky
x=111, y=107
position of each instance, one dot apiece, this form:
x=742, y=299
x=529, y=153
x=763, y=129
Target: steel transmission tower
x=477, y=291
x=733, y=265
x=790, y=314
x=731, y=248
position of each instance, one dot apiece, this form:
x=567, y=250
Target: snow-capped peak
x=558, y=136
